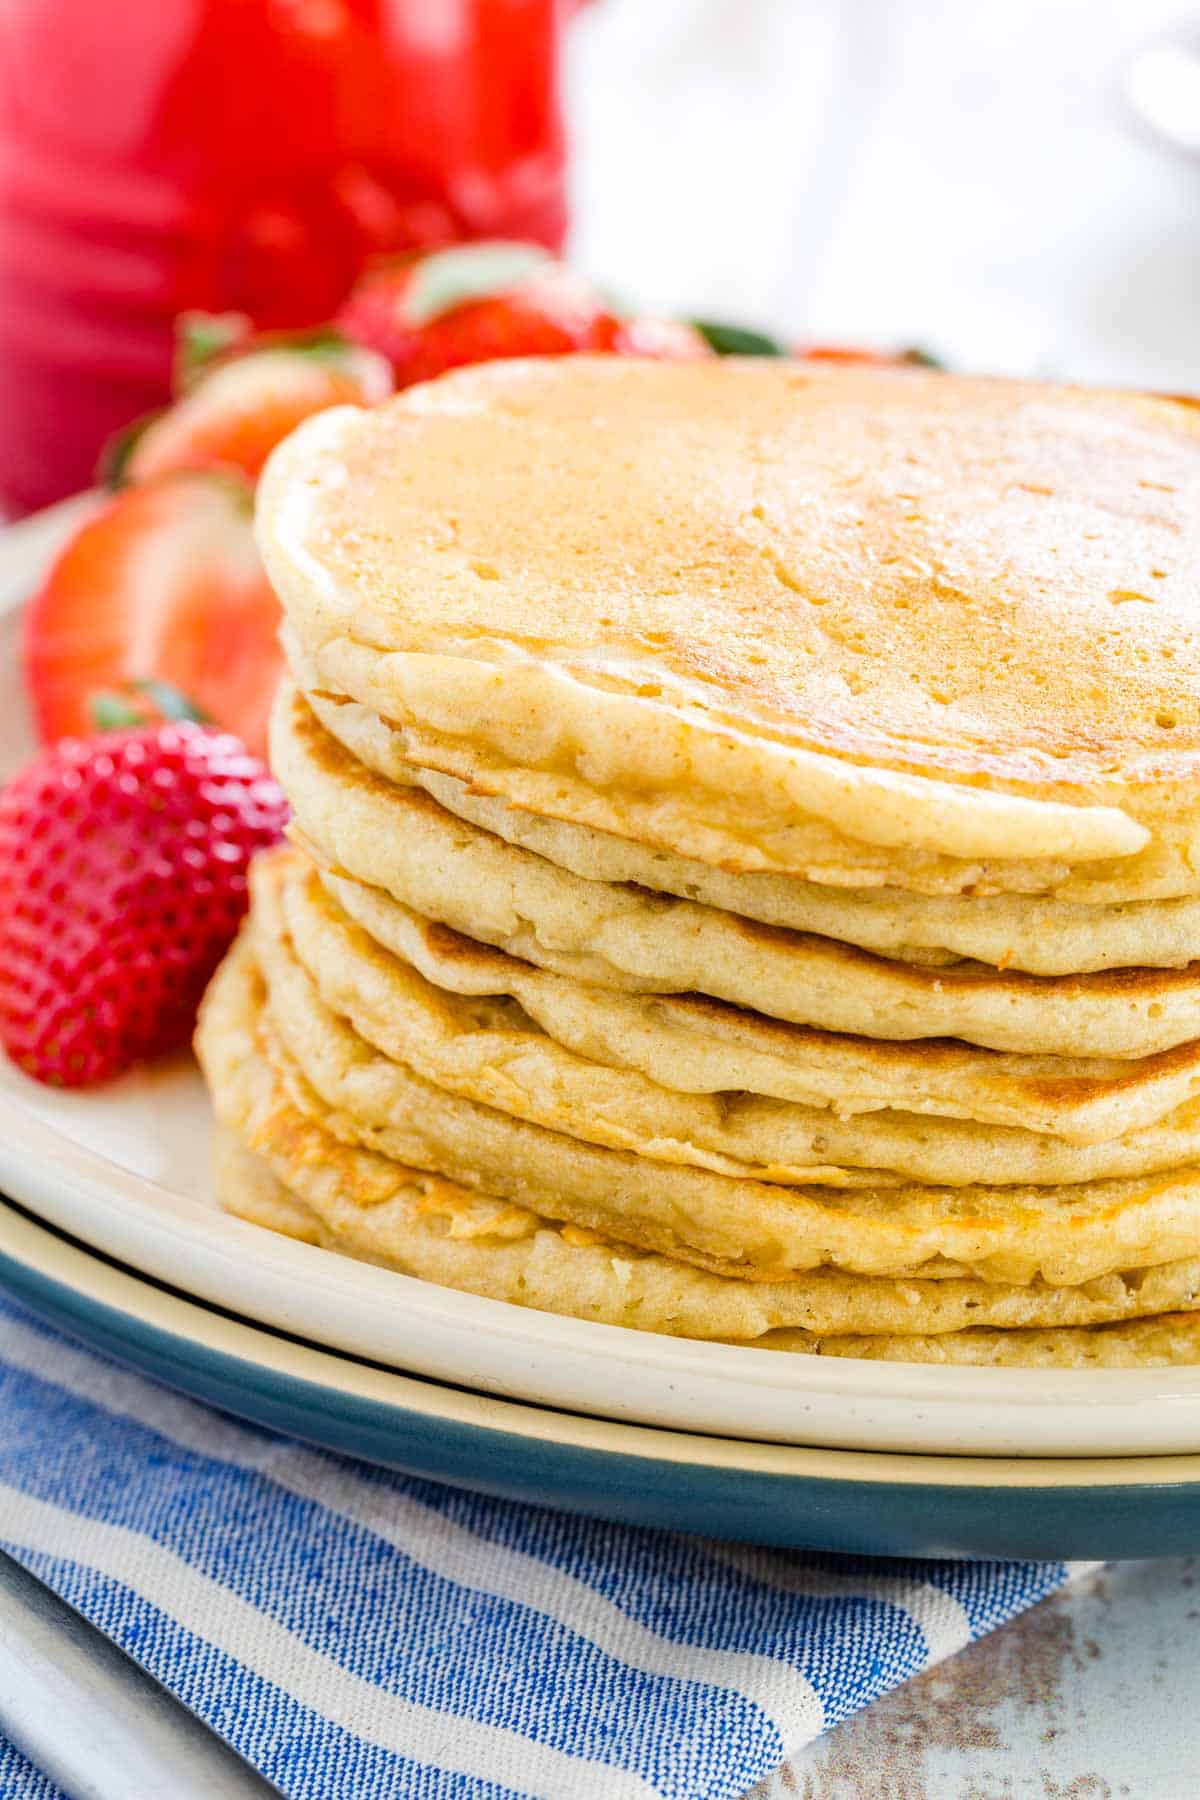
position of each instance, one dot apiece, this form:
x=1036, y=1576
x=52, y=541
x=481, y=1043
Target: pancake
x=278, y=1168
x=1156, y=1343
x=400, y=839
x=1040, y=936
x=247, y=1188
x=863, y=626
x=696, y=1045
x=752, y=1229
x=488, y=1049
x=561, y=1272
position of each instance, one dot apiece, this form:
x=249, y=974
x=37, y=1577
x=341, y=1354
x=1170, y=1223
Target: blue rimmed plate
x=842, y=1500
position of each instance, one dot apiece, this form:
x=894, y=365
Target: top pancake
x=862, y=625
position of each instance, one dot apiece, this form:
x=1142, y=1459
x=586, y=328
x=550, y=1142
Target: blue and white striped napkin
x=360, y=1635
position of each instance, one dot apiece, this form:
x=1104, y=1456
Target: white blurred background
x=968, y=177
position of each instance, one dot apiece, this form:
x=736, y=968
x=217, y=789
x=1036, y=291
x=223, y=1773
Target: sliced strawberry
x=163, y=585
x=238, y=406
x=473, y=303
x=911, y=356
x=666, y=340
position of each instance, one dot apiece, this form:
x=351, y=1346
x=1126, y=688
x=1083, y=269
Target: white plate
x=125, y=1169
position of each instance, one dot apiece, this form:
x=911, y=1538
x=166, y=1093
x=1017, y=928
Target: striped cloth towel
x=361, y=1635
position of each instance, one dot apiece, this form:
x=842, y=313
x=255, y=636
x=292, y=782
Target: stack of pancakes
x=745, y=877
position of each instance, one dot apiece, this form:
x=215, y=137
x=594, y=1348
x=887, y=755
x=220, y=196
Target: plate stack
x=745, y=874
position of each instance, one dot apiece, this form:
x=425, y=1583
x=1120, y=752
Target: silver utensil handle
x=92, y=1720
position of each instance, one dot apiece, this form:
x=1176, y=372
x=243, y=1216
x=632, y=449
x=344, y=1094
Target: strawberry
x=239, y=403
x=473, y=303
x=122, y=883
x=163, y=584
x=666, y=340
x=856, y=353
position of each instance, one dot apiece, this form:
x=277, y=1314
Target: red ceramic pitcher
x=238, y=154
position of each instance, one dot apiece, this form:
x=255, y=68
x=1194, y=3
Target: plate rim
x=149, y=1307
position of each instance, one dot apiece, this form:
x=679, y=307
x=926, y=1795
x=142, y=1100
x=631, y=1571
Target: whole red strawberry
x=473, y=303
x=122, y=883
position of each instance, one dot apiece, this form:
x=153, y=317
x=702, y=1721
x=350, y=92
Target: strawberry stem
x=171, y=702
x=112, y=468
x=200, y=339
x=112, y=709
x=736, y=340
x=109, y=712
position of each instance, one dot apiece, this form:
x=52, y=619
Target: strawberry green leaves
x=140, y=702
x=737, y=340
